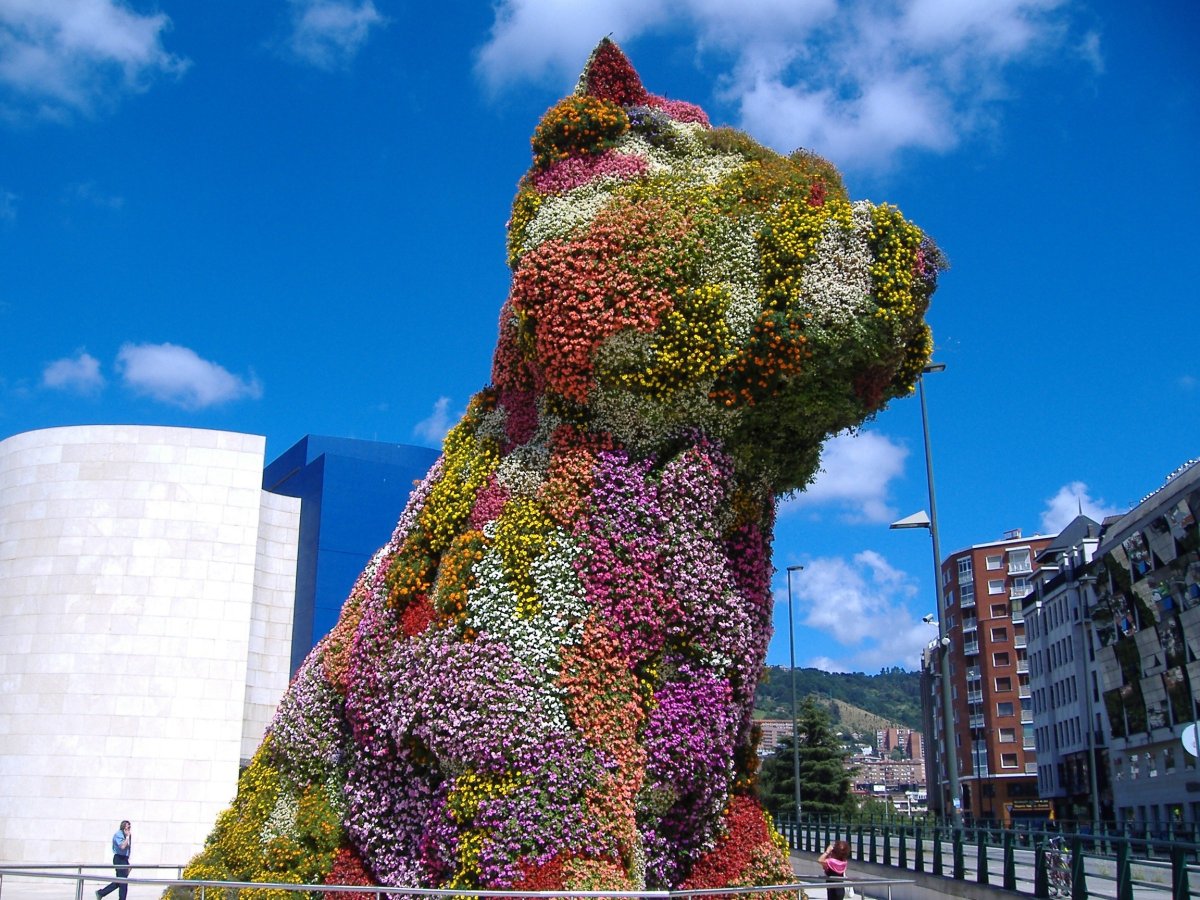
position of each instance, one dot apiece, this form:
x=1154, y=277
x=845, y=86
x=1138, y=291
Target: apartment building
x=985, y=589
x=1145, y=609
x=1069, y=721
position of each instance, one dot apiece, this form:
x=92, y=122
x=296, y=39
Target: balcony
x=1028, y=742
x=1018, y=614
x=1024, y=691
x=974, y=696
x=1020, y=641
x=1020, y=591
x=967, y=602
x=1026, y=717
x=1030, y=768
x=971, y=648
x=1020, y=566
x=977, y=722
x=970, y=625
x=1022, y=667
x=973, y=673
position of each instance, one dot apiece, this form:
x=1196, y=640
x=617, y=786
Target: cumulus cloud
x=1066, y=504
x=180, y=377
x=79, y=374
x=860, y=605
x=855, y=80
x=433, y=429
x=855, y=478
x=64, y=56
x=329, y=33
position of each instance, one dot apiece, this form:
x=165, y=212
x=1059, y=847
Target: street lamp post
x=795, y=725
x=1085, y=602
x=920, y=520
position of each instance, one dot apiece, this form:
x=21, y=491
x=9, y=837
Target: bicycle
x=1058, y=867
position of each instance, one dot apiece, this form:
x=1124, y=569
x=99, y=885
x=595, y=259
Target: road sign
x=1189, y=739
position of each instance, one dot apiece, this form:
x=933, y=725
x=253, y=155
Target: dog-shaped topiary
x=545, y=679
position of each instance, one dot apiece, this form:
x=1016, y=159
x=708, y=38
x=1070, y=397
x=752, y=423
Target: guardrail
x=82, y=874
x=1017, y=860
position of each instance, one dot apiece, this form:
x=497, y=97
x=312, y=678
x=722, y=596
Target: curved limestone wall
x=146, y=592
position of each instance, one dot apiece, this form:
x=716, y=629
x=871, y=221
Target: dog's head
x=670, y=277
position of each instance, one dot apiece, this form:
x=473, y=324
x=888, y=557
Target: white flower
x=836, y=283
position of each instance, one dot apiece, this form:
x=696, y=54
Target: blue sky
x=287, y=217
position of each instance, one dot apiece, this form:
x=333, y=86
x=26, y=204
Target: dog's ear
x=609, y=75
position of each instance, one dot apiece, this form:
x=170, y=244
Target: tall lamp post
x=795, y=725
x=920, y=520
x=1087, y=581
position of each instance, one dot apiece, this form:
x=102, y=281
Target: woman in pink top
x=834, y=861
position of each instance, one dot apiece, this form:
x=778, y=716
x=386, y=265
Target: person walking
x=122, y=843
x=834, y=861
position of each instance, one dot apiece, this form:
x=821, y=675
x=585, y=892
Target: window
x=995, y=585
x=1000, y=660
x=1008, y=760
x=1021, y=587
x=1005, y=708
x=999, y=635
x=1018, y=561
x=1008, y=735
x=967, y=591
x=964, y=569
x=995, y=562
x=999, y=610
x=1004, y=684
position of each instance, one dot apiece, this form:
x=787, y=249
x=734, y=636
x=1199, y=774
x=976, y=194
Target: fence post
x=873, y=857
x=959, y=868
x=937, y=850
x=981, y=855
x=1124, y=875
x=1079, y=889
x=887, y=845
x=1010, y=863
x=1179, y=872
x=860, y=840
x=918, y=850
x=1041, y=883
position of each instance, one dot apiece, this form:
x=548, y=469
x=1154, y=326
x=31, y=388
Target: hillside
x=857, y=702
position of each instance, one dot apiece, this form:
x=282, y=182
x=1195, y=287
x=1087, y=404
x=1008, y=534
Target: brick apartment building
x=985, y=586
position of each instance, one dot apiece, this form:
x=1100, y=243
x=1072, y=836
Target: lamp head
x=916, y=520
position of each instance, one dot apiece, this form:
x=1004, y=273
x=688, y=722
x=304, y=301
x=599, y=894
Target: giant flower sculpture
x=545, y=679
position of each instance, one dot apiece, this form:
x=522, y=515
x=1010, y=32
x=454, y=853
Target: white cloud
x=329, y=33
x=62, y=56
x=1066, y=504
x=79, y=374
x=855, y=80
x=87, y=192
x=856, y=471
x=860, y=606
x=178, y=376
x=434, y=428
x=1183, y=382
x=549, y=40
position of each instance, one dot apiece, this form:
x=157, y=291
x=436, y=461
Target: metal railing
x=178, y=888
x=1106, y=864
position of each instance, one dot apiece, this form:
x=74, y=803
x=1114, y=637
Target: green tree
x=824, y=778
x=776, y=783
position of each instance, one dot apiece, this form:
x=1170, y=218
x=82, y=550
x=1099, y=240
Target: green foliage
x=894, y=694
x=824, y=780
